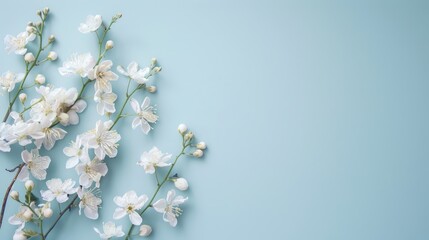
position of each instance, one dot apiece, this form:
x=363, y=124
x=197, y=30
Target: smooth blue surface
x=316, y=114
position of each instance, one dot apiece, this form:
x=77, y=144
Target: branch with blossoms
x=40, y=123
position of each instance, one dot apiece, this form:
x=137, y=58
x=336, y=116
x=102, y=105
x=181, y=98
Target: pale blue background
x=315, y=112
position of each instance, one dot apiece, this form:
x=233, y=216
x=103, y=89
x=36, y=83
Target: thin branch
x=6, y=195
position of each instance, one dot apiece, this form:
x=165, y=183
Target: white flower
x=77, y=151
x=51, y=135
x=78, y=107
x=57, y=189
x=129, y=203
x=91, y=24
x=104, y=141
x=18, y=44
x=34, y=163
x=9, y=79
x=181, y=184
x=29, y=57
x=110, y=230
x=152, y=159
x=102, y=74
x=105, y=102
x=22, y=216
x=145, y=114
x=91, y=171
x=89, y=202
x=4, y=134
x=145, y=230
x=170, y=207
x=139, y=75
x=79, y=64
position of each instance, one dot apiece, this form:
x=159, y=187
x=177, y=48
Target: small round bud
x=30, y=29
x=14, y=195
x=64, y=118
x=39, y=13
x=22, y=97
x=29, y=57
x=31, y=24
x=47, y=213
x=145, y=230
x=181, y=184
x=157, y=69
x=38, y=24
x=182, y=128
x=27, y=215
x=40, y=79
x=189, y=136
x=151, y=89
x=51, y=39
x=46, y=11
x=201, y=145
x=52, y=56
x=109, y=45
x=153, y=62
x=198, y=153
x=29, y=185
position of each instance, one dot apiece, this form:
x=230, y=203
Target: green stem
x=167, y=176
x=119, y=116
x=27, y=72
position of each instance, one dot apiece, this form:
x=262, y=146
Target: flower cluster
x=37, y=124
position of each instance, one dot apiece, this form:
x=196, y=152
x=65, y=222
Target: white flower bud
x=189, y=136
x=38, y=24
x=157, y=69
x=145, y=230
x=198, y=153
x=52, y=56
x=153, y=62
x=151, y=89
x=27, y=215
x=30, y=29
x=64, y=118
x=22, y=97
x=29, y=185
x=182, y=128
x=181, y=184
x=29, y=57
x=19, y=236
x=14, y=195
x=46, y=11
x=40, y=79
x=39, y=13
x=201, y=145
x=109, y=45
x=51, y=39
x=47, y=213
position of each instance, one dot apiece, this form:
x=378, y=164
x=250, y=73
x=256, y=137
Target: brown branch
x=61, y=214
x=6, y=195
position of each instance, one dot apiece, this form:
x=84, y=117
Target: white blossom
x=9, y=79
x=129, y=204
x=91, y=24
x=18, y=44
x=105, y=102
x=153, y=159
x=77, y=64
x=102, y=76
x=104, y=141
x=169, y=207
x=134, y=72
x=19, y=233
x=91, y=171
x=22, y=216
x=89, y=203
x=78, y=107
x=51, y=135
x=77, y=151
x=59, y=190
x=110, y=230
x=4, y=132
x=35, y=164
x=145, y=114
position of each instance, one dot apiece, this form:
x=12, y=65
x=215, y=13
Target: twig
x=6, y=195
x=61, y=214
